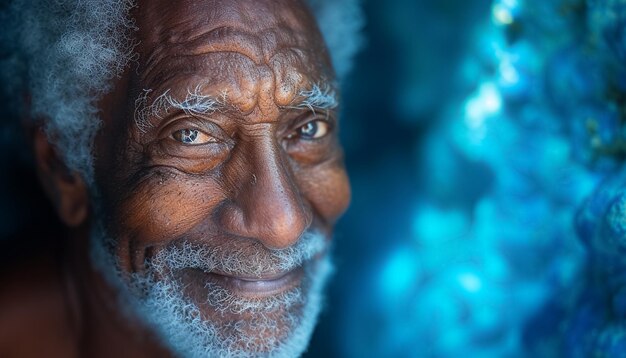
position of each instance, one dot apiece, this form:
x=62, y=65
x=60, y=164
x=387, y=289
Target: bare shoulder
x=34, y=319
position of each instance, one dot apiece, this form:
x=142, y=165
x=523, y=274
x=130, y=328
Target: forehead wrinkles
x=260, y=48
x=235, y=80
x=254, y=28
x=251, y=49
x=282, y=75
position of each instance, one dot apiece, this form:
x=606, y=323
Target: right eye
x=192, y=136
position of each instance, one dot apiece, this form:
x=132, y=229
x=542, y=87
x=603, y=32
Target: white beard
x=178, y=321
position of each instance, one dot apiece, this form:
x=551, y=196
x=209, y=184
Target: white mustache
x=253, y=260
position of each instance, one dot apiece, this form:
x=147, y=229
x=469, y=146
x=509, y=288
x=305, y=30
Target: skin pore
x=198, y=205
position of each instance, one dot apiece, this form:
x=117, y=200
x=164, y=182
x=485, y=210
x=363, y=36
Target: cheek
x=327, y=188
x=160, y=209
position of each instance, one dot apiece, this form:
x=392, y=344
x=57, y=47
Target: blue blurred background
x=475, y=132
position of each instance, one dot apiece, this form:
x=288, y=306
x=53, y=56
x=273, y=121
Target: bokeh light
x=488, y=205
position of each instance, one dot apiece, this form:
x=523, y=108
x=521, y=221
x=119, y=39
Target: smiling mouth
x=256, y=287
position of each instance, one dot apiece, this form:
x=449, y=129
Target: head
x=201, y=152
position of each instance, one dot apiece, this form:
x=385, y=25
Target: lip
x=255, y=286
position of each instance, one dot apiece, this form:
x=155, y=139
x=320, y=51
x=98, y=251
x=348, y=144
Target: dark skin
x=259, y=170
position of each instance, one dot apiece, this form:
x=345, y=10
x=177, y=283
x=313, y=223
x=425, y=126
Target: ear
x=66, y=189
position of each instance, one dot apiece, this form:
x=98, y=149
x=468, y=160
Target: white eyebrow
x=318, y=97
x=194, y=103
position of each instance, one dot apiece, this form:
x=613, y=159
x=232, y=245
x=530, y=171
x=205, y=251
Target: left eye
x=192, y=136
x=312, y=130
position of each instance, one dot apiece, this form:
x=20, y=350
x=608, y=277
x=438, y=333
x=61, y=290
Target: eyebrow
x=319, y=97
x=194, y=103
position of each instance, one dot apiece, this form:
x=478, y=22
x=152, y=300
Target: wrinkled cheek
x=160, y=211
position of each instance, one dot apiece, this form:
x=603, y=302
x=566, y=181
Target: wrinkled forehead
x=249, y=49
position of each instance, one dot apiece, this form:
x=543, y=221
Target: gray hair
x=65, y=55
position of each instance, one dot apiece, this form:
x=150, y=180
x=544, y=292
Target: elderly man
x=191, y=149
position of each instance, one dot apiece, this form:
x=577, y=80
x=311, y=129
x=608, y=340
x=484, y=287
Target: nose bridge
x=270, y=202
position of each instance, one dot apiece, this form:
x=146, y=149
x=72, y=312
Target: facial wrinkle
x=258, y=46
x=226, y=39
x=274, y=49
x=266, y=104
x=267, y=60
x=289, y=80
x=274, y=39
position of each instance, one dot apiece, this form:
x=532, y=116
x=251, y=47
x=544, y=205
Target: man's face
x=220, y=171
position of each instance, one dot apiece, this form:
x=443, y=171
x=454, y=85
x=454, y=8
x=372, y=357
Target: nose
x=267, y=204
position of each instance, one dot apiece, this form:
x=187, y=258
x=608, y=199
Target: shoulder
x=34, y=319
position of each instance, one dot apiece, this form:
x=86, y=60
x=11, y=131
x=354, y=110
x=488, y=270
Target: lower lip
x=253, y=287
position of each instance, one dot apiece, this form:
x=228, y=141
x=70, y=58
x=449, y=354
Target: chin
x=229, y=324
x=230, y=308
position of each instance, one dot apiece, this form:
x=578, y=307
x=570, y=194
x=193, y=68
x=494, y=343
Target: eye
x=192, y=136
x=311, y=130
